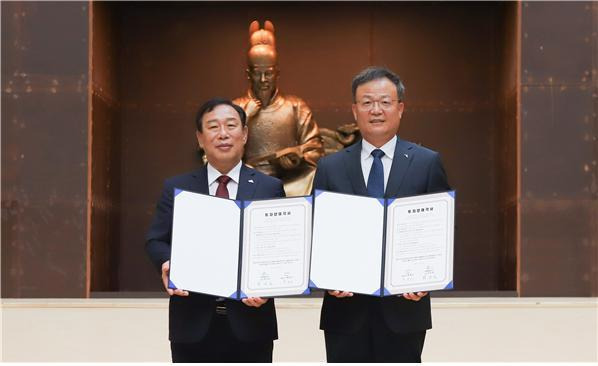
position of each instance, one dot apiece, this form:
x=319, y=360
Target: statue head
x=262, y=65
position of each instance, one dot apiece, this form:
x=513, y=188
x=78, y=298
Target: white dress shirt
x=233, y=183
x=367, y=159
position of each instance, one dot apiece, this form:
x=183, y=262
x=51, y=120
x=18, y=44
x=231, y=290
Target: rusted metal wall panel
x=594, y=216
x=44, y=149
x=559, y=150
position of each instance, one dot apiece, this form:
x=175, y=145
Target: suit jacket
x=189, y=317
x=415, y=170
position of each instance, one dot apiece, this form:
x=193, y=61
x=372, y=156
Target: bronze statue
x=284, y=139
x=345, y=135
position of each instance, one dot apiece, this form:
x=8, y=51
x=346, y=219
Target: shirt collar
x=388, y=148
x=233, y=174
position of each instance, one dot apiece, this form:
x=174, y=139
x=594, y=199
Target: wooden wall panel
x=105, y=150
x=507, y=147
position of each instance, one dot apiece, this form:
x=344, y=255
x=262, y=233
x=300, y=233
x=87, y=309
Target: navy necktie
x=375, y=185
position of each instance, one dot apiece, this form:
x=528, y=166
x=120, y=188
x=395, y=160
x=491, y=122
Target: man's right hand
x=340, y=294
x=165, y=271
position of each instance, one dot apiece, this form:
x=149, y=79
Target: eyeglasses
x=368, y=104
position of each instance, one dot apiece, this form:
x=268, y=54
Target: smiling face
x=223, y=137
x=377, y=111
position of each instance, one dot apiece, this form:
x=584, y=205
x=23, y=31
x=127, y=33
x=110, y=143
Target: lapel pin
x=407, y=156
x=251, y=181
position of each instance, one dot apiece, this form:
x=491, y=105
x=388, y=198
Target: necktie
x=375, y=185
x=222, y=191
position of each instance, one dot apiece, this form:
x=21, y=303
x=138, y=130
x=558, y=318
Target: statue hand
x=253, y=108
x=289, y=161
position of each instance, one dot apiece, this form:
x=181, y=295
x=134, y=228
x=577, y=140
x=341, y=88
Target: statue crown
x=259, y=36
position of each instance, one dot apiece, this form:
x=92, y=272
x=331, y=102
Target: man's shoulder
x=418, y=149
x=263, y=178
x=336, y=157
x=183, y=178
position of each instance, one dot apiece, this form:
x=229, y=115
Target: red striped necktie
x=222, y=191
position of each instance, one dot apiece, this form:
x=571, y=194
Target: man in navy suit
x=359, y=328
x=205, y=328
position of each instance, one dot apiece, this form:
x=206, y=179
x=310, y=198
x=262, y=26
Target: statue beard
x=265, y=95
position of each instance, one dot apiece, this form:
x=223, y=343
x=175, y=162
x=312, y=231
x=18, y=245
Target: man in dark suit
x=359, y=328
x=205, y=328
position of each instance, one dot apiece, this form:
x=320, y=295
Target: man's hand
x=340, y=294
x=414, y=297
x=255, y=302
x=165, y=271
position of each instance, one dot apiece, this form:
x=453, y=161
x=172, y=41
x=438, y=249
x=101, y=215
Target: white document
x=220, y=248
x=276, y=247
x=205, y=244
x=352, y=233
x=419, y=243
x=347, y=243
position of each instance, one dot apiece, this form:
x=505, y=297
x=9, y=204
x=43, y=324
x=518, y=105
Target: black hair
x=213, y=103
x=375, y=73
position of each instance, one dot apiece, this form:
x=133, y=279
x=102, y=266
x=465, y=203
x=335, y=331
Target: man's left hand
x=414, y=296
x=255, y=302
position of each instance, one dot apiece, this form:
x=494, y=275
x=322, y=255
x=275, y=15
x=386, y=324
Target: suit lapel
x=352, y=160
x=400, y=163
x=202, y=180
x=247, y=184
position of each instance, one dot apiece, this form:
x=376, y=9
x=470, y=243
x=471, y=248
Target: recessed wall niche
x=154, y=63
